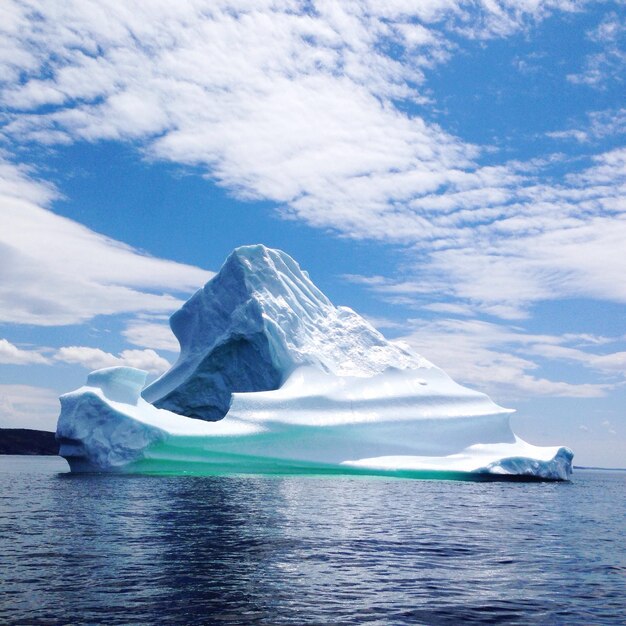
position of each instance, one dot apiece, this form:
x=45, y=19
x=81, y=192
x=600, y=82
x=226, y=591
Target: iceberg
x=273, y=378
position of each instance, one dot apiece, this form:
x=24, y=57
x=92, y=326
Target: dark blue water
x=247, y=550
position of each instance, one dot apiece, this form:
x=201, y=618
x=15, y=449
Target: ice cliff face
x=253, y=324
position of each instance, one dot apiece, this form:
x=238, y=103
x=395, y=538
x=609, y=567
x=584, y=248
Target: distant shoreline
x=602, y=469
x=28, y=442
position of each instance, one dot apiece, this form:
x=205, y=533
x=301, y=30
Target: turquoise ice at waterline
x=273, y=378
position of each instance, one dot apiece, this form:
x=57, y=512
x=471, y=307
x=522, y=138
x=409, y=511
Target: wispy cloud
x=610, y=363
x=55, y=271
x=27, y=406
x=10, y=354
x=94, y=358
x=598, y=125
x=609, y=62
x=90, y=358
x=609, y=427
x=146, y=332
x=503, y=360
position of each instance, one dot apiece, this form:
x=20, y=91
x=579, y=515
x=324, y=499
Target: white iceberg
x=272, y=378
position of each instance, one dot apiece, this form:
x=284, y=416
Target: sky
x=454, y=171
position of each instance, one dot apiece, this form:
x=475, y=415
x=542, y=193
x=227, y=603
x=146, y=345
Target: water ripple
x=249, y=550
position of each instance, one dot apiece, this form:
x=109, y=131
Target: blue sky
x=455, y=171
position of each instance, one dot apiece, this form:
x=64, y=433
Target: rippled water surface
x=248, y=550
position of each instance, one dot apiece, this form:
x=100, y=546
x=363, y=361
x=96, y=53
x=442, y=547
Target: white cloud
x=449, y=308
x=609, y=30
x=10, y=354
x=610, y=363
x=55, y=271
x=149, y=334
x=610, y=62
x=496, y=358
x=548, y=241
x=26, y=406
x=94, y=358
x=609, y=427
x=599, y=124
x=383, y=322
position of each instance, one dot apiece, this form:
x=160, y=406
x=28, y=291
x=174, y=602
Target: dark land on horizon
x=27, y=441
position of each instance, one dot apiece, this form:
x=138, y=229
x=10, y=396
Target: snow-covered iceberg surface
x=272, y=378
x=397, y=422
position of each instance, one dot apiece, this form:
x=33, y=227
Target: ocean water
x=302, y=550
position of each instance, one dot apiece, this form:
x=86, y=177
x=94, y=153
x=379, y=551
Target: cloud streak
x=599, y=125
x=610, y=61
x=94, y=358
x=27, y=406
x=503, y=360
x=54, y=271
x=147, y=333
x=10, y=354
x=90, y=358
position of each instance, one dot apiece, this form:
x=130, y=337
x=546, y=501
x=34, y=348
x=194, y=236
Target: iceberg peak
x=255, y=322
x=268, y=270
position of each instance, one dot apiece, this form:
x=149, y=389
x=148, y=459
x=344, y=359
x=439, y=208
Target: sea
x=106, y=549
